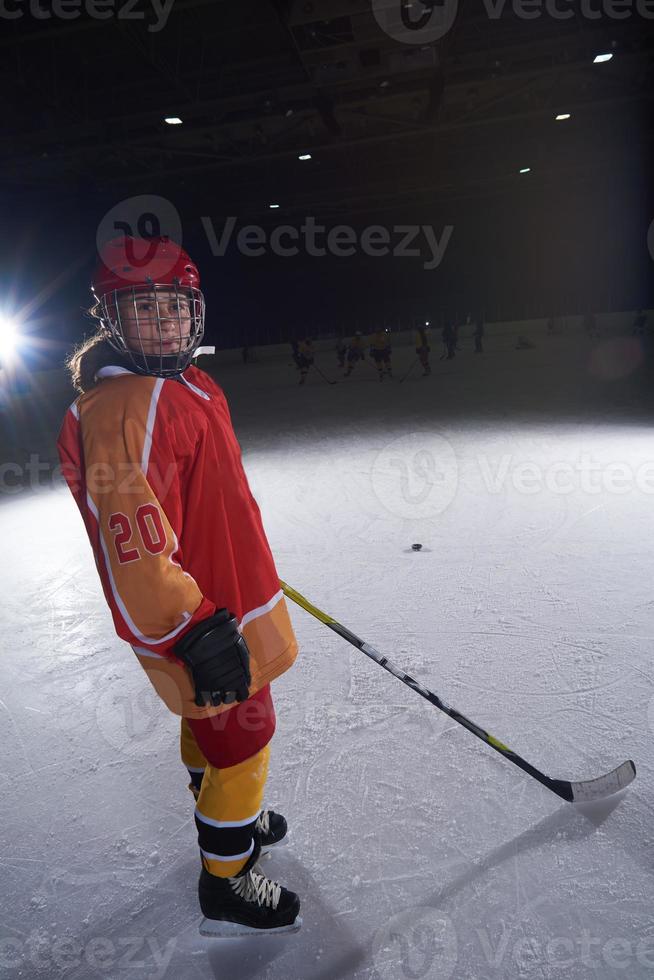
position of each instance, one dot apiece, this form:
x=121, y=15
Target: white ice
x=418, y=852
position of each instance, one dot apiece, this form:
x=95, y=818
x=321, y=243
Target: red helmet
x=126, y=262
x=148, y=300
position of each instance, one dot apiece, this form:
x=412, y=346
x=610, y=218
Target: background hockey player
x=590, y=326
x=423, y=349
x=639, y=324
x=305, y=357
x=295, y=353
x=380, y=351
x=449, y=339
x=355, y=353
x=150, y=455
x=341, y=352
x=479, y=335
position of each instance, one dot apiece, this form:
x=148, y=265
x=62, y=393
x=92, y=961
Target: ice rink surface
x=528, y=476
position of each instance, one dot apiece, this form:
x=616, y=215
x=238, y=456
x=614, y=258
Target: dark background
x=399, y=134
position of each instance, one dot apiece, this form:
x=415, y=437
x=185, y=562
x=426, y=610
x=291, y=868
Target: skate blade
x=267, y=848
x=218, y=929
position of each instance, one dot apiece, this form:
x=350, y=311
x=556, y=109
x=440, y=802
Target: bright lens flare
x=8, y=338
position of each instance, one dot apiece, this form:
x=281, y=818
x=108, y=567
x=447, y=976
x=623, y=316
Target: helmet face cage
x=160, y=340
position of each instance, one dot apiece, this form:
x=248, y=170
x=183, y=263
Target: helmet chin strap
x=162, y=361
x=203, y=350
x=159, y=365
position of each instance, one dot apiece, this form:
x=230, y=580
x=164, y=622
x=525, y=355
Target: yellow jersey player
x=305, y=357
x=380, y=351
x=423, y=349
x=355, y=353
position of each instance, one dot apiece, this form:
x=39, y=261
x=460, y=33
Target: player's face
x=156, y=323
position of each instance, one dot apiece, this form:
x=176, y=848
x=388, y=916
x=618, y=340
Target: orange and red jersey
x=156, y=471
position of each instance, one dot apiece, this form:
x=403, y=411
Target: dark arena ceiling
x=412, y=112
x=257, y=83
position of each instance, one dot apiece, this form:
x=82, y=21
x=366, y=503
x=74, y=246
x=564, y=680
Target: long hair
x=88, y=357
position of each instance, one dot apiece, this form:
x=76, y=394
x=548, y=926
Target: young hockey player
x=150, y=455
x=423, y=349
x=380, y=351
x=355, y=353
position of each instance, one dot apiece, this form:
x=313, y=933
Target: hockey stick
x=322, y=375
x=409, y=371
x=585, y=791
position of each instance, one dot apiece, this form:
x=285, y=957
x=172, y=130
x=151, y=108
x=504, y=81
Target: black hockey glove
x=219, y=660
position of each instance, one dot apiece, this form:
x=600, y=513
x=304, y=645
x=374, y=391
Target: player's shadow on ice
x=161, y=921
x=567, y=825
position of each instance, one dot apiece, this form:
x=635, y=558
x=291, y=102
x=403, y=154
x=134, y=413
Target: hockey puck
x=416, y=547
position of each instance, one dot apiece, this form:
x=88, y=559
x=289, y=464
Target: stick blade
x=590, y=790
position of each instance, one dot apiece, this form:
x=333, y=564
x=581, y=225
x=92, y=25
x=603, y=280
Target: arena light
x=8, y=338
x=525, y=170
x=599, y=58
x=304, y=156
x=562, y=115
x=173, y=120
x=273, y=207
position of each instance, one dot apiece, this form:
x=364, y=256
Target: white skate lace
x=263, y=822
x=254, y=887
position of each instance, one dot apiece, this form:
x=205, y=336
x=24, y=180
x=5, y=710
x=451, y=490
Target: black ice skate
x=272, y=830
x=248, y=904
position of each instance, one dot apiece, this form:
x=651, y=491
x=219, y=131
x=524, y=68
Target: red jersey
x=156, y=471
